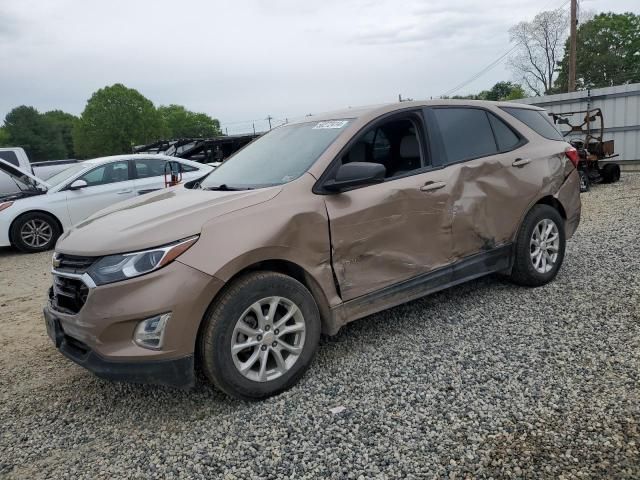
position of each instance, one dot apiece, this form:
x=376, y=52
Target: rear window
x=536, y=120
x=466, y=133
x=10, y=157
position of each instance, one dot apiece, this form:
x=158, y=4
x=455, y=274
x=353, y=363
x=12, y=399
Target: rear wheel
x=584, y=181
x=260, y=336
x=611, y=173
x=539, y=248
x=34, y=232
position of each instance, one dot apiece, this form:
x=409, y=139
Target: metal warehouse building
x=620, y=108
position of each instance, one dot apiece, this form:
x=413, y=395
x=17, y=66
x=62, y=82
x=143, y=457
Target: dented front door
x=386, y=233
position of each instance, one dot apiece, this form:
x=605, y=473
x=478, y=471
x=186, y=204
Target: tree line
x=608, y=51
x=608, y=54
x=114, y=120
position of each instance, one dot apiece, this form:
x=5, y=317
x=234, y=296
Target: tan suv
x=313, y=225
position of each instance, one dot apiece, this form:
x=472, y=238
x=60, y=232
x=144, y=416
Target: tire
x=525, y=271
x=225, y=324
x=44, y=231
x=610, y=173
x=585, y=183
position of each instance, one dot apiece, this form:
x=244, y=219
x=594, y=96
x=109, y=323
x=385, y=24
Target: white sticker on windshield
x=331, y=124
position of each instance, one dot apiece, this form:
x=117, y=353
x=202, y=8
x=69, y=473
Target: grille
x=74, y=263
x=68, y=294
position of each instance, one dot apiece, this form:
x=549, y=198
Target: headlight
x=114, y=268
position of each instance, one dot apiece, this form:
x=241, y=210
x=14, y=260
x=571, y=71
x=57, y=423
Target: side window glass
x=394, y=144
x=506, y=138
x=466, y=133
x=9, y=156
x=109, y=173
x=146, y=168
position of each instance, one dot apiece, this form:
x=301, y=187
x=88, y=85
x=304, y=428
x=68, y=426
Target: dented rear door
x=386, y=233
x=494, y=185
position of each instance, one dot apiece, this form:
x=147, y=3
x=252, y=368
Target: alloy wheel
x=268, y=339
x=36, y=233
x=544, y=245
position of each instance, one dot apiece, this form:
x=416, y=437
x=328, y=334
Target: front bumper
x=178, y=372
x=100, y=335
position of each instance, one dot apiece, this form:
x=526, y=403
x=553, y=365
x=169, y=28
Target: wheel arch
x=36, y=210
x=291, y=269
x=552, y=202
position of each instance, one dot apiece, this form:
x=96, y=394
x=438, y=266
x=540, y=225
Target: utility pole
x=269, y=118
x=572, y=46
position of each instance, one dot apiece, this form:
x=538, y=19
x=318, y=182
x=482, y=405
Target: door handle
x=431, y=186
x=521, y=162
x=122, y=192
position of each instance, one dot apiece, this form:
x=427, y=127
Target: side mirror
x=355, y=174
x=77, y=184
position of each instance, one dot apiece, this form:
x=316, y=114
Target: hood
x=155, y=219
x=25, y=180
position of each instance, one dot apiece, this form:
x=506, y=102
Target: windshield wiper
x=226, y=188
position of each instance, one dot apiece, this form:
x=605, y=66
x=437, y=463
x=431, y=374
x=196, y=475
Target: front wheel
x=34, y=232
x=260, y=336
x=539, y=248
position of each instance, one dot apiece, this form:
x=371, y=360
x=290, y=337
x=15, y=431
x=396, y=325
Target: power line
x=492, y=64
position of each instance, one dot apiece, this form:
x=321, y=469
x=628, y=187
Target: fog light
x=150, y=332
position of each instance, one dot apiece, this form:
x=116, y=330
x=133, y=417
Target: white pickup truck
x=18, y=157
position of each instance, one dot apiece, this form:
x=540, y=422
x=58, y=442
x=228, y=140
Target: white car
x=33, y=219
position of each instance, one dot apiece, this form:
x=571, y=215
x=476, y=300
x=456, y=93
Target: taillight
x=572, y=154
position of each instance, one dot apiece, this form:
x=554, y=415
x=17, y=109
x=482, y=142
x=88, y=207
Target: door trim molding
x=469, y=268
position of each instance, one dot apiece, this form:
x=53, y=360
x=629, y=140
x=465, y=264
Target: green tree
x=608, y=52
x=63, y=122
x=5, y=140
x=28, y=129
x=501, y=91
x=183, y=123
x=505, y=91
x=115, y=119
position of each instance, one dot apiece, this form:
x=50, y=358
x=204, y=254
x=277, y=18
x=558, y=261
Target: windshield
x=278, y=157
x=65, y=174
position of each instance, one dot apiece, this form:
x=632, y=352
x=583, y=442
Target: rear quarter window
x=536, y=120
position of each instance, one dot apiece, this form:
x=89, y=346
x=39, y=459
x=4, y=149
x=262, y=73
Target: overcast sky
x=245, y=59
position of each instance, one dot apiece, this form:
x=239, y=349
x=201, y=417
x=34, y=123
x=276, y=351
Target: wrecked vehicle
x=33, y=218
x=313, y=225
x=17, y=157
x=594, y=153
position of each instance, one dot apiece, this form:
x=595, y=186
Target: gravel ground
x=483, y=380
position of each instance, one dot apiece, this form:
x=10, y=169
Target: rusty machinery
x=592, y=148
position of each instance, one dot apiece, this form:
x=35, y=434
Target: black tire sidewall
x=217, y=359
x=18, y=223
x=584, y=179
x=524, y=266
x=611, y=173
